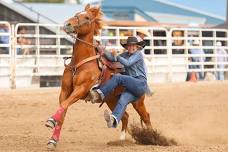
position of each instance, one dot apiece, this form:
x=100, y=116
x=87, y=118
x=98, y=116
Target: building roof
x=152, y=7
x=57, y=12
x=43, y=12
x=151, y=10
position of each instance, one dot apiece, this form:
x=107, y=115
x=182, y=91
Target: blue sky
x=216, y=7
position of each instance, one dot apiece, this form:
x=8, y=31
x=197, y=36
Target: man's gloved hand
x=114, y=54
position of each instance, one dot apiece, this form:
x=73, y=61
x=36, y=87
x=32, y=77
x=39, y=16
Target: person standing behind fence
x=199, y=58
x=221, y=58
x=141, y=34
x=21, y=40
x=4, y=39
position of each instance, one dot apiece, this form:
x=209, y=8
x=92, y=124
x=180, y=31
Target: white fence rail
x=5, y=55
x=35, y=50
x=39, y=51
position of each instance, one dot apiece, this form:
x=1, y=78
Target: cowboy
x=134, y=80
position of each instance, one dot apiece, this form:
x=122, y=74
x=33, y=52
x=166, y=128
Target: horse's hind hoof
x=51, y=123
x=51, y=145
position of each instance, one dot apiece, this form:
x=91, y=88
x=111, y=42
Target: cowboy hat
x=133, y=40
x=218, y=43
x=196, y=42
x=143, y=31
x=97, y=38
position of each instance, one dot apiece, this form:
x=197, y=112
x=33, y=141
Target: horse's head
x=85, y=22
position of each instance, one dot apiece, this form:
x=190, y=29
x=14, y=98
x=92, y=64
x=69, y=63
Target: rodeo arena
x=54, y=65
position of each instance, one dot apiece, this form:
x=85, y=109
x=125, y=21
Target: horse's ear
x=87, y=7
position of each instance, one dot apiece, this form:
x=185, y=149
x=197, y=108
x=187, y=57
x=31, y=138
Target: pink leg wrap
x=57, y=116
x=56, y=132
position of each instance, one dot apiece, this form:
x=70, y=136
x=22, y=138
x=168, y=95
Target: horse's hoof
x=51, y=145
x=51, y=123
x=122, y=136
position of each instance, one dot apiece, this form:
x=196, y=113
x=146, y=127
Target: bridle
x=83, y=22
x=75, y=27
x=74, y=36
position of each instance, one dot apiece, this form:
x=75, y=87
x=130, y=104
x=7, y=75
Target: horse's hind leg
x=140, y=107
x=124, y=126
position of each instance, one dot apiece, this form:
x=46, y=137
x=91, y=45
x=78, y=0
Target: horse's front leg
x=59, y=116
x=81, y=84
x=78, y=93
x=66, y=89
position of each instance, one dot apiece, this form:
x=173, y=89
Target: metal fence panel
x=36, y=50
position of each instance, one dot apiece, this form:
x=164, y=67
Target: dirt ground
x=194, y=114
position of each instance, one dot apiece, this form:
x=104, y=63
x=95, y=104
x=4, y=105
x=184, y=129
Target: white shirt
x=221, y=55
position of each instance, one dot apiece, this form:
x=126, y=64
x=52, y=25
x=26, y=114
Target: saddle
x=108, y=68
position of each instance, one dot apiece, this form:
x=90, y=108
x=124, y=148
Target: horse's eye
x=87, y=17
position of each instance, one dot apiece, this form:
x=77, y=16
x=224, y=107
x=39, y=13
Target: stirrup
x=95, y=97
x=51, y=123
x=95, y=86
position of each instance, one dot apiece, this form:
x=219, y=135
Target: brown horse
x=83, y=72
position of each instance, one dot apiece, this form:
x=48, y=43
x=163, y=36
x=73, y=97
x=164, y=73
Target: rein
x=75, y=67
x=76, y=38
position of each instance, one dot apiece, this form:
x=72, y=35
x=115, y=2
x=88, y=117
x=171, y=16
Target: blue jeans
x=220, y=73
x=200, y=75
x=134, y=88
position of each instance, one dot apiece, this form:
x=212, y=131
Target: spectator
x=221, y=58
x=199, y=58
x=141, y=34
x=177, y=42
x=22, y=41
x=4, y=39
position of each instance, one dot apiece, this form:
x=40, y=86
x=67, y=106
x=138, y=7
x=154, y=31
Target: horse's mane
x=98, y=19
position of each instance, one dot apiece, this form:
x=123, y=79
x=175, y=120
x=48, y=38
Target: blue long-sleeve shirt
x=133, y=63
x=4, y=39
x=199, y=52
